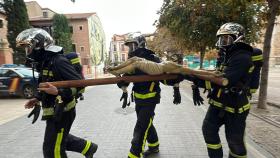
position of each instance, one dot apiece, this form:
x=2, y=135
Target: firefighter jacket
x=257, y=58
x=237, y=67
x=146, y=93
x=55, y=67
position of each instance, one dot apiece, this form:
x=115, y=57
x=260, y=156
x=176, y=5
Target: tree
x=196, y=22
x=164, y=41
x=61, y=32
x=273, y=11
x=17, y=18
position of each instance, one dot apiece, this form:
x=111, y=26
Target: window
x=71, y=29
x=123, y=57
x=115, y=48
x=45, y=14
x=82, y=48
x=74, y=47
x=1, y=23
x=122, y=47
x=81, y=28
x=10, y=73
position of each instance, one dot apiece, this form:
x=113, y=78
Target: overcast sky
x=117, y=16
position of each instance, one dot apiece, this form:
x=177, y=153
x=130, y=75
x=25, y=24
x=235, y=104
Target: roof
x=79, y=15
x=48, y=9
x=40, y=19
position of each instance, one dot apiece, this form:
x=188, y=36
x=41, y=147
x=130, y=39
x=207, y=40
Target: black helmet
x=135, y=40
x=230, y=33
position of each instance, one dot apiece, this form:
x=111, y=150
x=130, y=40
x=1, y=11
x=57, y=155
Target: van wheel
x=28, y=91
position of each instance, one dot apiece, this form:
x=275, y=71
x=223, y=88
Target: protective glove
x=124, y=97
x=176, y=95
x=197, y=99
x=122, y=84
x=36, y=112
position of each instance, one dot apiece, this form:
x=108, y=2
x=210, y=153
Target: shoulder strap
x=53, y=65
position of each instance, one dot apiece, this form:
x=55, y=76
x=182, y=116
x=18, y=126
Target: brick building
x=118, y=52
x=88, y=37
x=5, y=52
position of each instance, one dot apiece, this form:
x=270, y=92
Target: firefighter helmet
x=230, y=33
x=34, y=38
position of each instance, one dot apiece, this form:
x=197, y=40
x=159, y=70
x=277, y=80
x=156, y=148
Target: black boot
x=92, y=149
x=151, y=151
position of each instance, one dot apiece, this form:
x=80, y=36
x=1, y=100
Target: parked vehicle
x=9, y=65
x=18, y=81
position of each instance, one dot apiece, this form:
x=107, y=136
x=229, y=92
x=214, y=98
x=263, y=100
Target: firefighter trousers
x=234, y=130
x=57, y=138
x=144, y=130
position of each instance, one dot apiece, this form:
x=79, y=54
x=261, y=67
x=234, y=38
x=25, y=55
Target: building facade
x=118, y=52
x=88, y=37
x=5, y=52
x=275, y=47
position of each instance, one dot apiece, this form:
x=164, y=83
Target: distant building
x=5, y=52
x=88, y=37
x=118, y=52
x=275, y=47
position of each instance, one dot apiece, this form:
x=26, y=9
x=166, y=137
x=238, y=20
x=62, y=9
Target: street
x=101, y=120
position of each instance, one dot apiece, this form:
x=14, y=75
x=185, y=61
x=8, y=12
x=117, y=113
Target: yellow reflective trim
x=213, y=102
x=253, y=90
x=146, y=134
x=152, y=86
x=82, y=90
x=130, y=155
x=230, y=109
x=237, y=156
x=214, y=146
x=75, y=60
x=219, y=93
x=251, y=69
x=86, y=147
x=257, y=57
x=59, y=99
x=48, y=111
x=207, y=84
x=70, y=105
x=58, y=144
x=144, y=96
x=47, y=72
x=153, y=144
x=74, y=91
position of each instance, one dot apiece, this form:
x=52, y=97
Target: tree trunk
x=202, y=54
x=272, y=12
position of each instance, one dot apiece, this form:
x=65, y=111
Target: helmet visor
x=224, y=40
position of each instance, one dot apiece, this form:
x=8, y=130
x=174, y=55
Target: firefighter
x=229, y=105
x=58, y=105
x=146, y=96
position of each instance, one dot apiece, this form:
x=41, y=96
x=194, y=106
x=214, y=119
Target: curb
x=268, y=103
x=273, y=104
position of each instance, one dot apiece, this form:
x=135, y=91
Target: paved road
x=100, y=119
x=11, y=108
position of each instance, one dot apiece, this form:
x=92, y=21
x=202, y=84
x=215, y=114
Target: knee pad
x=236, y=145
x=209, y=129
